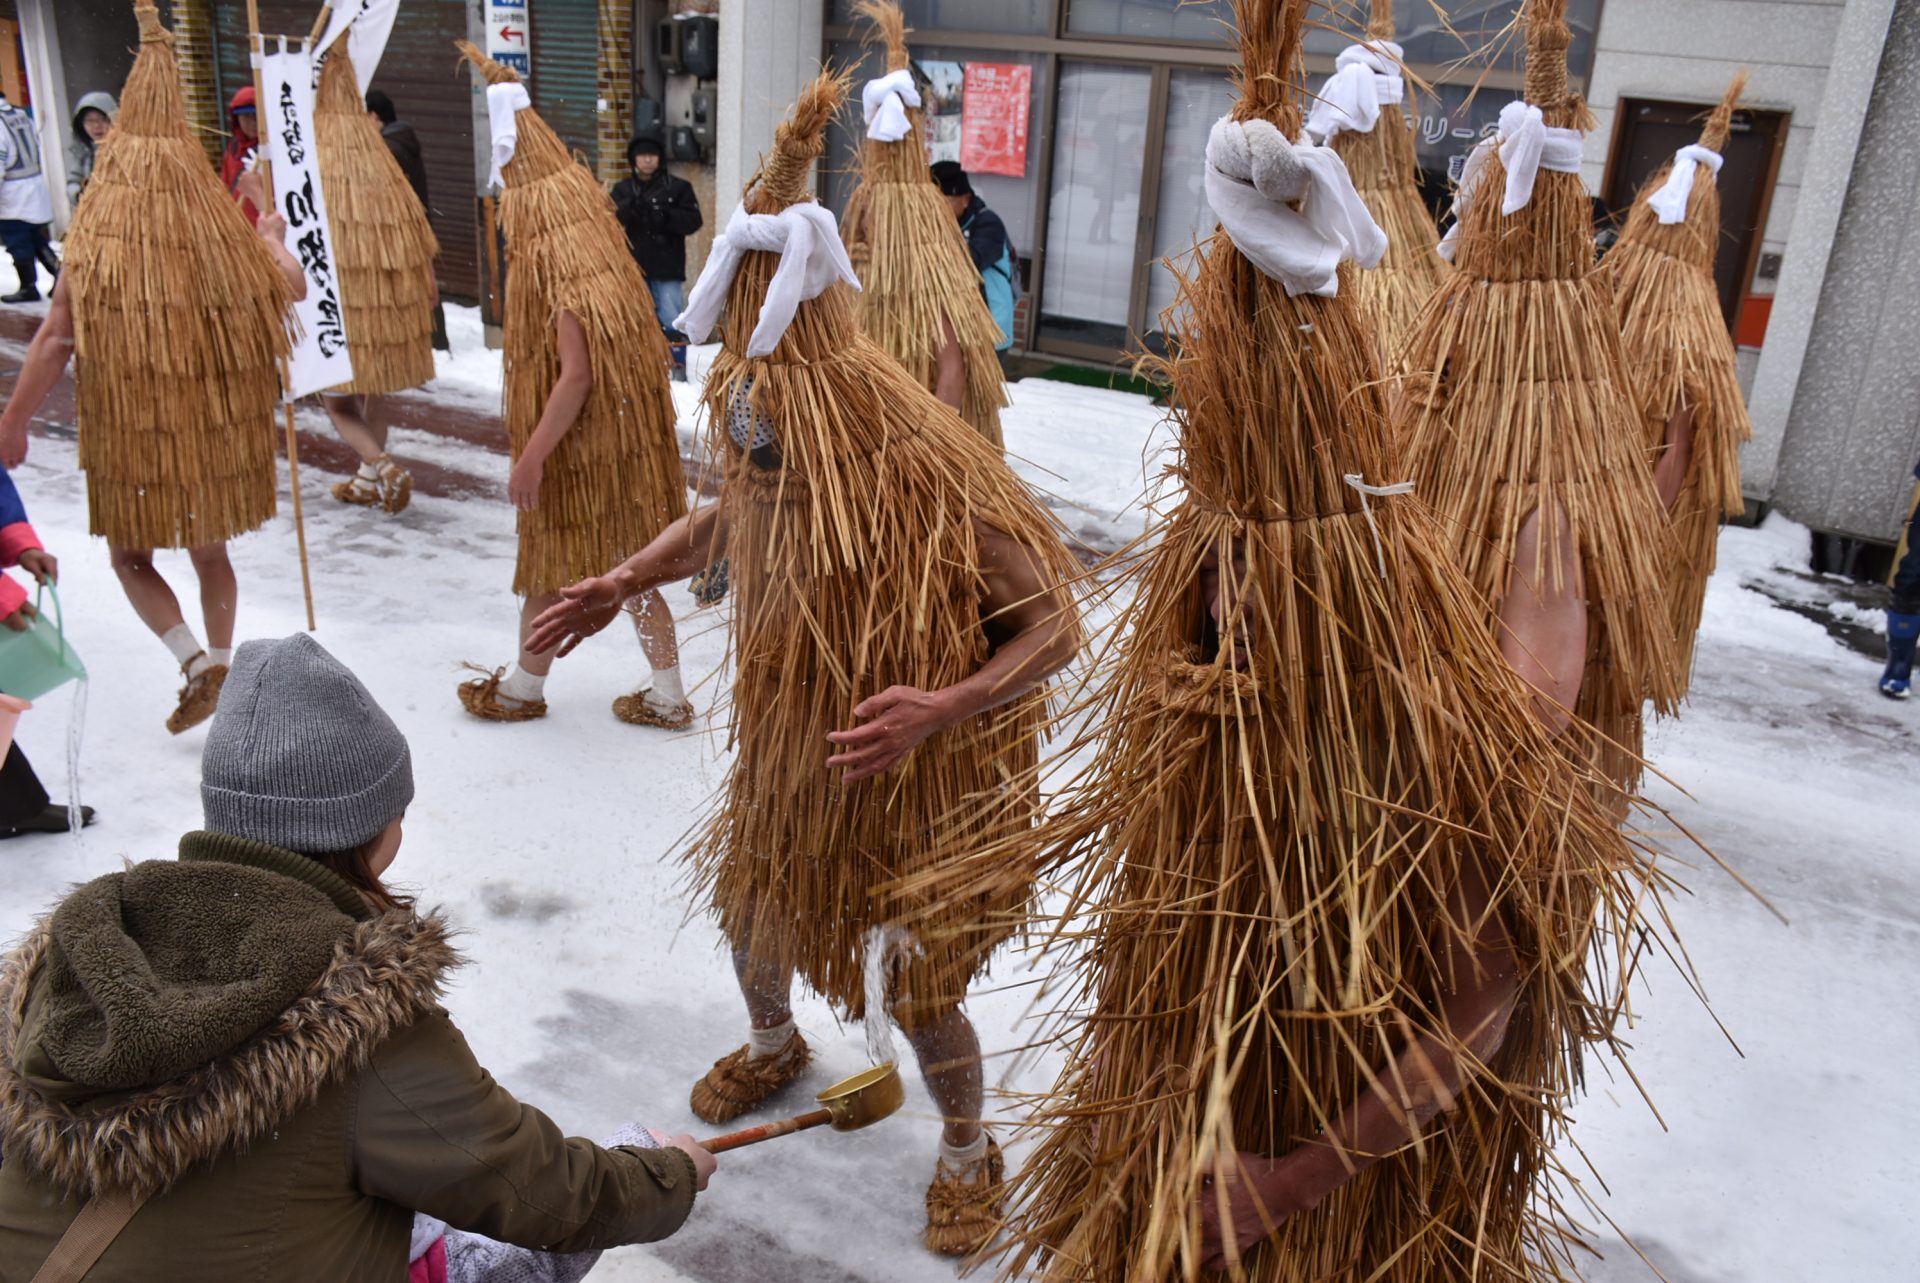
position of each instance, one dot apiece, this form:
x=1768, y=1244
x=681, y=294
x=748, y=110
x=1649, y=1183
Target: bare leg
x=146, y=591
x=219, y=593
x=767, y=987
x=354, y=420
x=949, y=368
x=1543, y=619
x=653, y=622
x=949, y=1054
x=537, y=665
x=1670, y=473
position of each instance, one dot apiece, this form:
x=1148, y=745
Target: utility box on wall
x=689, y=45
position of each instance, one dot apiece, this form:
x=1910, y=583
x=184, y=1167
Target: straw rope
x=382, y=241
x=1678, y=347
x=912, y=259
x=856, y=565
x=1261, y=859
x=1519, y=401
x=615, y=480
x=180, y=320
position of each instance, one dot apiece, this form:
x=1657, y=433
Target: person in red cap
x=244, y=122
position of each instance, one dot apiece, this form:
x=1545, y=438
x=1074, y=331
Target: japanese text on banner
x=320, y=358
x=993, y=122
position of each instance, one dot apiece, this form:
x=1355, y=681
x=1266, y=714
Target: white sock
x=762, y=1043
x=180, y=640
x=222, y=655
x=667, y=692
x=523, y=687
x=369, y=473
x=961, y=1157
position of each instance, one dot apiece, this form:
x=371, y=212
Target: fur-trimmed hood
x=385, y=973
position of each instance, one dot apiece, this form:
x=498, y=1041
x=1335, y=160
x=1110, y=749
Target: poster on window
x=320, y=359
x=993, y=119
x=942, y=97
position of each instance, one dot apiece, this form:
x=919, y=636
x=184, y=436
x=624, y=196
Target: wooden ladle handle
x=767, y=1131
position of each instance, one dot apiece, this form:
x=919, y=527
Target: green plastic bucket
x=38, y=660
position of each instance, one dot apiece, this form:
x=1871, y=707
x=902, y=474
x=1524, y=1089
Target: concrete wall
x=769, y=50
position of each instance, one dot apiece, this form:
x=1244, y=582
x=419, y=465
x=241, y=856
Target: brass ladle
x=859, y=1101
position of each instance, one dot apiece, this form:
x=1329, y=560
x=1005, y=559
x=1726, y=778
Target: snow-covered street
x=1783, y=1150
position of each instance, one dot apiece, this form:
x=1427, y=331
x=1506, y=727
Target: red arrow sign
x=508, y=33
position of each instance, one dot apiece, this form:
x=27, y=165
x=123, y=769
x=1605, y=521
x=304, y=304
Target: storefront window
x=1482, y=33
x=1094, y=208
x=1013, y=17
x=1195, y=100
x=1199, y=21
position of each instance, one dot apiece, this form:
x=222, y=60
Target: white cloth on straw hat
x=811, y=260
x=885, y=102
x=1526, y=145
x=1365, y=79
x=1254, y=180
x=1670, y=202
x=504, y=102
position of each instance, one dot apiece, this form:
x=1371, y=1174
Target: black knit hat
x=950, y=178
x=645, y=143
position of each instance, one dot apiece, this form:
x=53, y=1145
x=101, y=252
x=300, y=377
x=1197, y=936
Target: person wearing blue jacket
x=987, y=241
x=1903, y=612
x=24, y=804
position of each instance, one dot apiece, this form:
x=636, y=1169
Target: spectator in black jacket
x=405, y=146
x=659, y=212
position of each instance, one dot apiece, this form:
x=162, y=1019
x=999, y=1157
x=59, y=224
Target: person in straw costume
x=900, y=598
x=1522, y=432
x=1359, y=113
x=386, y=249
x=920, y=295
x=1691, y=409
x=177, y=313
x=590, y=418
x=1343, y=912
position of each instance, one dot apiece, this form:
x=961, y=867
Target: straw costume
x=916, y=275
x=386, y=249
x=1360, y=115
x=1519, y=409
x=1683, y=362
x=1282, y=804
x=857, y=507
x=615, y=479
x=180, y=321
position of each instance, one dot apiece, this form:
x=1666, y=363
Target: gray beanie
x=299, y=756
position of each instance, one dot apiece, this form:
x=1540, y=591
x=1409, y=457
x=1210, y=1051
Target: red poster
x=993, y=118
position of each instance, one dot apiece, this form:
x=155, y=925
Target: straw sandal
x=392, y=490
x=637, y=710
x=963, y=1204
x=356, y=491
x=737, y=1084
x=481, y=697
x=198, y=697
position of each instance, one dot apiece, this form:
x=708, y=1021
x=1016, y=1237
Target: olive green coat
x=236, y=1034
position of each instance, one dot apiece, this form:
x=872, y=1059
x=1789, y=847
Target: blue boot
x=1902, y=632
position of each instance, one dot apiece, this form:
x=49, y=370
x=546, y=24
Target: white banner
x=320, y=358
x=372, y=23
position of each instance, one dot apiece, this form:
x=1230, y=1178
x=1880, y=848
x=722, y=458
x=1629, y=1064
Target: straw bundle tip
x=494, y=72
x=148, y=17
x=1270, y=33
x=1381, y=26
x=1720, y=124
x=799, y=141
x=1548, y=39
x=891, y=26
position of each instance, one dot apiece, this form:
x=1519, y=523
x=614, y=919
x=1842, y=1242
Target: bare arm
x=1411, y=1090
x=46, y=361
x=682, y=549
x=252, y=188
x=949, y=368
x=564, y=403
x=1021, y=596
x=1670, y=471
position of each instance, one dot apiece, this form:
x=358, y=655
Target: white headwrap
x=1365, y=78
x=811, y=259
x=1670, y=202
x=1255, y=177
x=1526, y=146
x=885, y=102
x=504, y=102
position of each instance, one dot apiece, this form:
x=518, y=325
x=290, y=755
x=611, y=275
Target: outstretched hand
x=583, y=610
x=895, y=721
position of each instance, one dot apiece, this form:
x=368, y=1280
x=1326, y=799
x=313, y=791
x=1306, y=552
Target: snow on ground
x=590, y=994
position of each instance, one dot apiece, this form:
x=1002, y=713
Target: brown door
x=1650, y=132
x=13, y=75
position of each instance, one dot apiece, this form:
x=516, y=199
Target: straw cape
x=856, y=565
x=383, y=241
x=1519, y=404
x=915, y=272
x=1267, y=847
x=180, y=323
x=1683, y=361
x=1394, y=294
x=615, y=480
